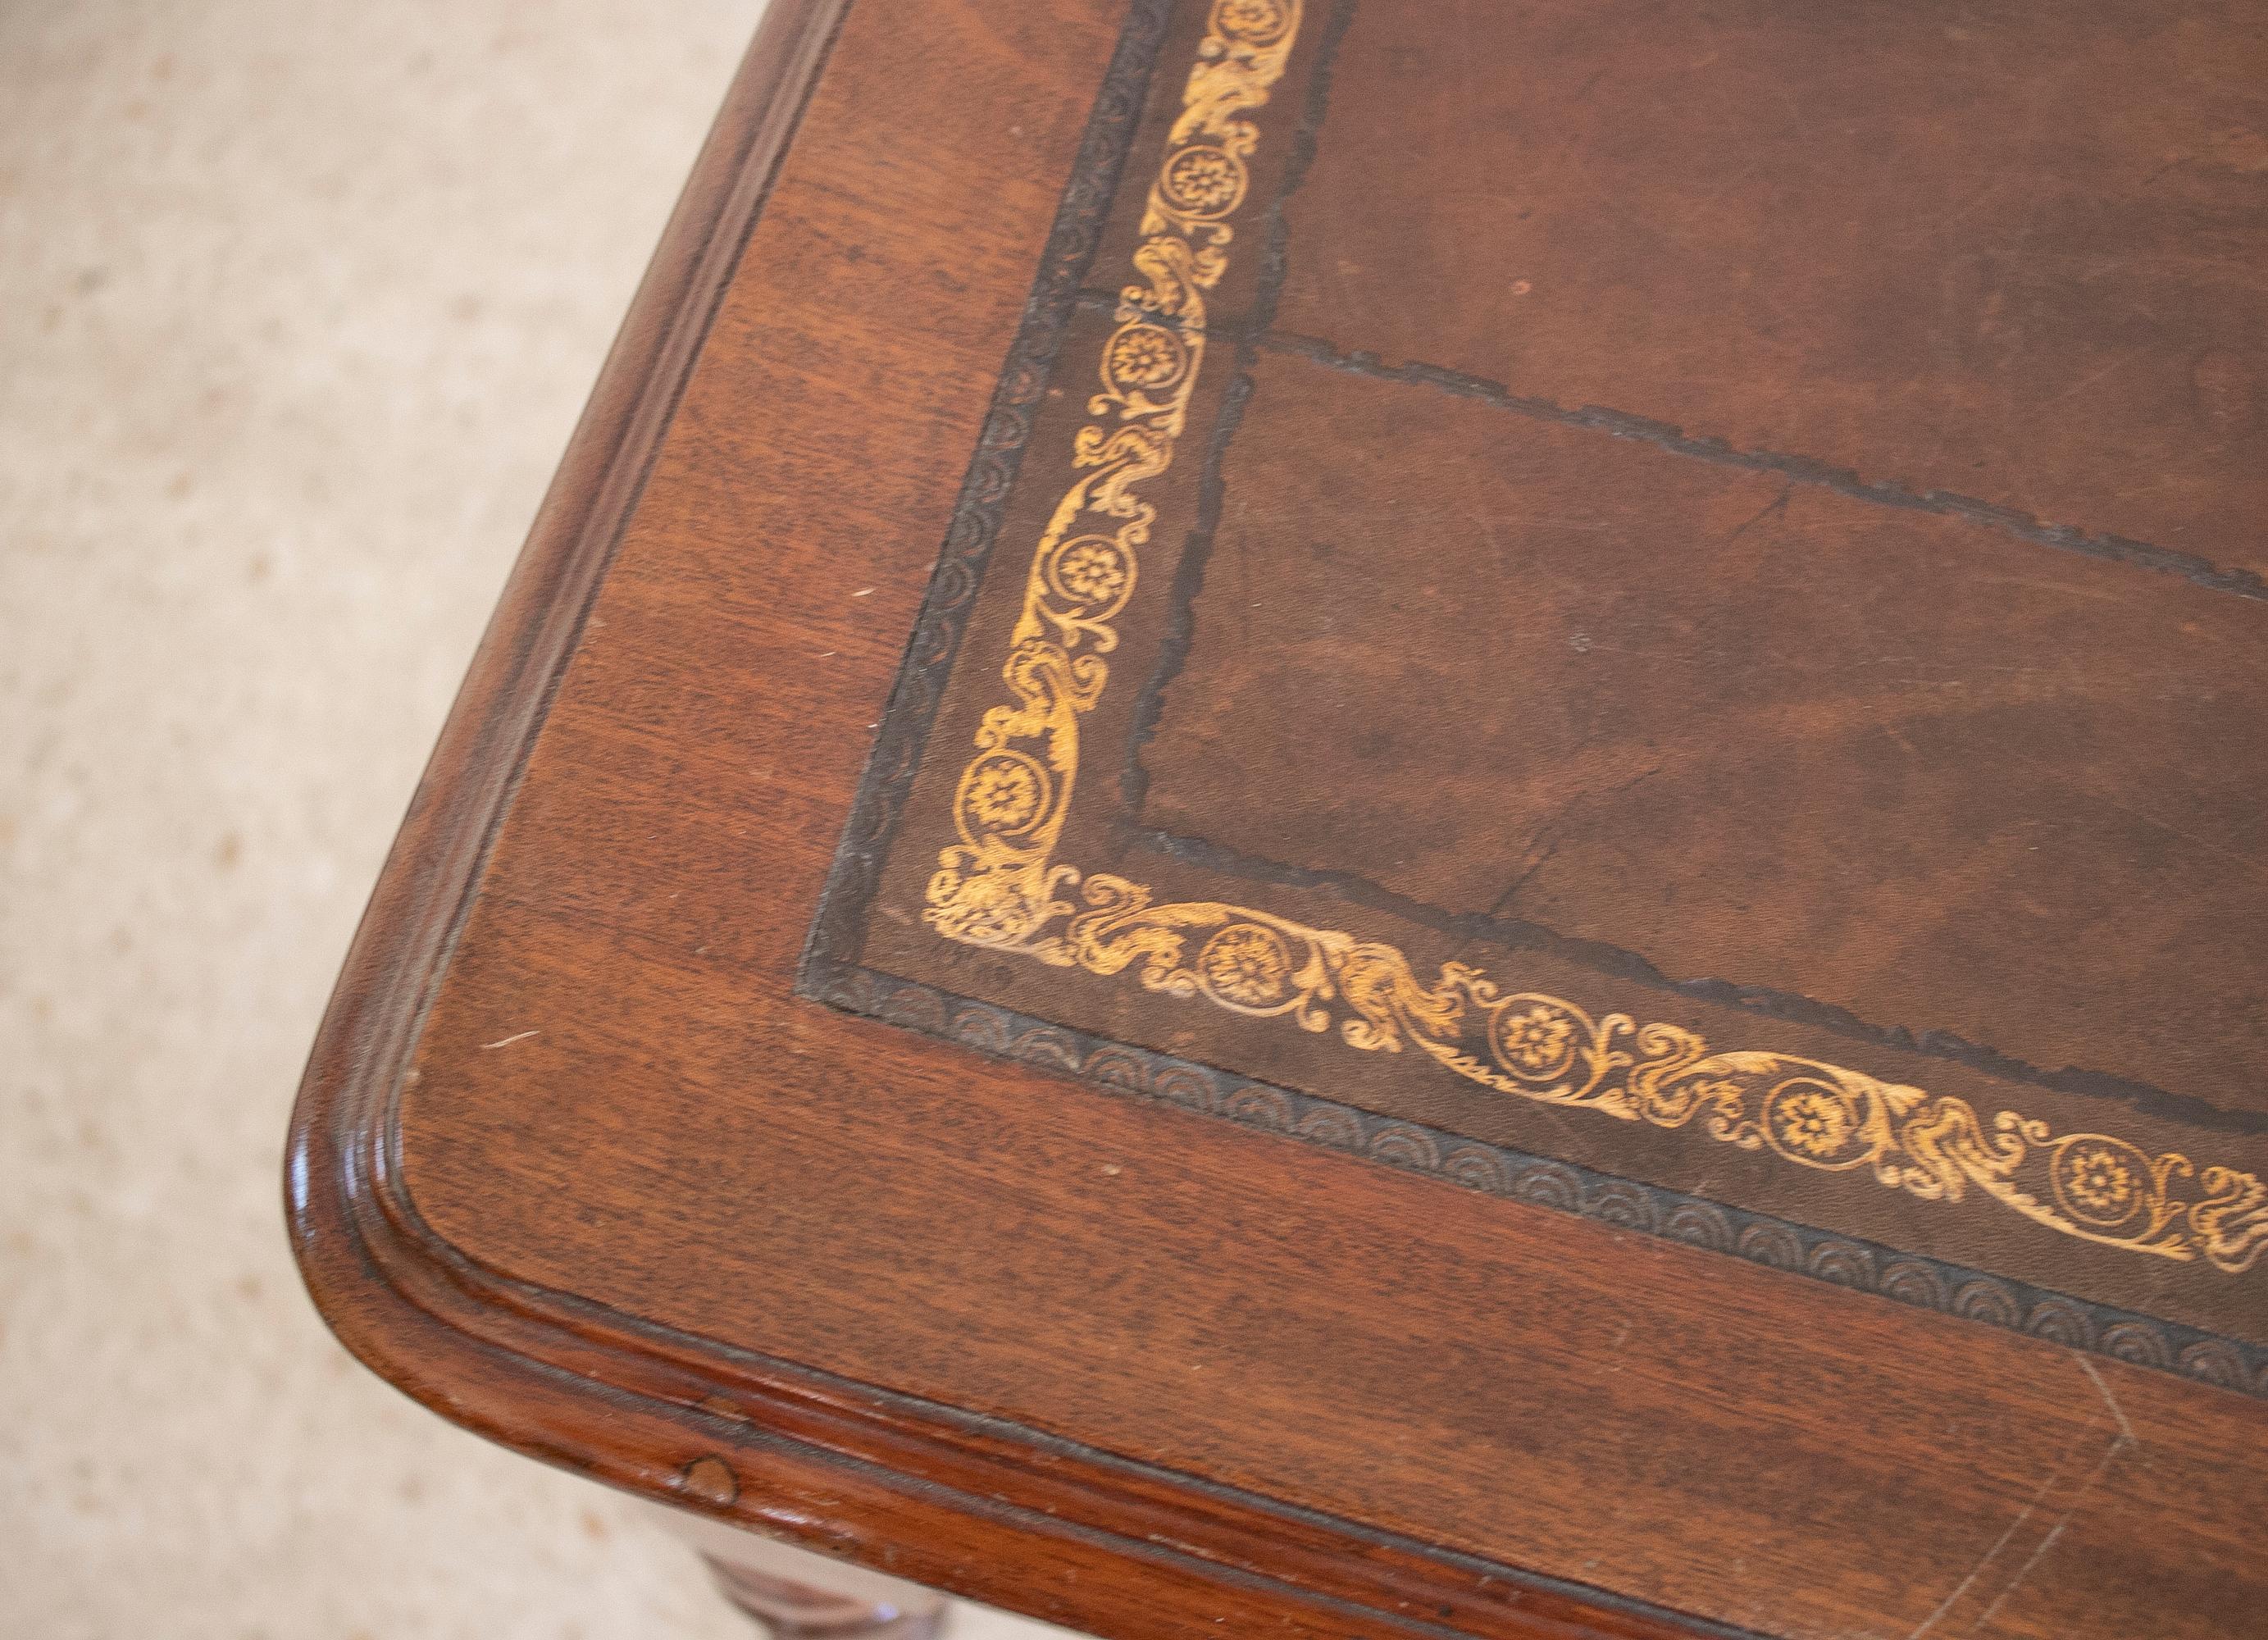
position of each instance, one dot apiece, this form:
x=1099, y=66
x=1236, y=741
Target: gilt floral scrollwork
x=999, y=886
x=1252, y=23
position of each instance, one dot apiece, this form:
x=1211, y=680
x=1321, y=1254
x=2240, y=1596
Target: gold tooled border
x=1001, y=886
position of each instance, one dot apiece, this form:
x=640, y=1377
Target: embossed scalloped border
x=1932, y=1147
x=1909, y=1278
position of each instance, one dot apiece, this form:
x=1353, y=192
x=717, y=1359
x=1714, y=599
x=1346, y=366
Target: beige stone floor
x=299, y=300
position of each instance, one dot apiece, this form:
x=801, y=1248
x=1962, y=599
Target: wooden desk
x=1383, y=819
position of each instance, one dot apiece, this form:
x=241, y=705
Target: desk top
x=1384, y=818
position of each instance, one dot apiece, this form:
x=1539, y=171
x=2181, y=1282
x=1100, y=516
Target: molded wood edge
x=980, y=1508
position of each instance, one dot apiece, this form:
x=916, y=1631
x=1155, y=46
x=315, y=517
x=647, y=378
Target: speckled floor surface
x=298, y=301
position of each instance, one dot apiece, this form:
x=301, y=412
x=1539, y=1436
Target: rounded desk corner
x=963, y=1502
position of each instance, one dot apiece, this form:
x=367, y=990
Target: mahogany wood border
x=968, y=1504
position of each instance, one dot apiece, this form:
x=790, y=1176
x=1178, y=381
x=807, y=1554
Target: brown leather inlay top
x=1751, y=730
x=1709, y=635
x=2018, y=253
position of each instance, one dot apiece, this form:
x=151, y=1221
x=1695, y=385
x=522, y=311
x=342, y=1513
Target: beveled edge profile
x=967, y=1504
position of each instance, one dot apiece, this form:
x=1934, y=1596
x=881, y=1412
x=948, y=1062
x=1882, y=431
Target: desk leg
x=798, y=1595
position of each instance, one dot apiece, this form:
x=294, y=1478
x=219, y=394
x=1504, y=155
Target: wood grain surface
x=576, y=1165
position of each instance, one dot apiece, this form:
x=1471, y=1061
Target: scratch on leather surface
x=1799, y=469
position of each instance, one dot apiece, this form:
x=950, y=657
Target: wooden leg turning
x=798, y=1595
